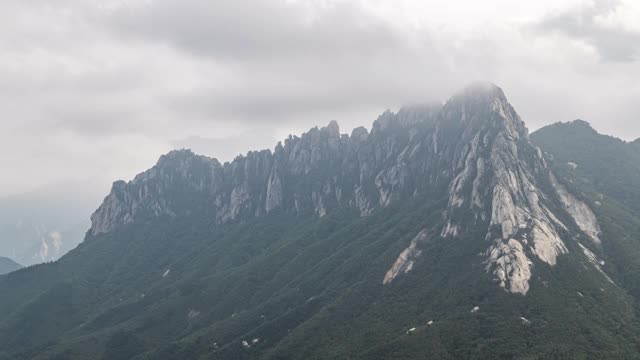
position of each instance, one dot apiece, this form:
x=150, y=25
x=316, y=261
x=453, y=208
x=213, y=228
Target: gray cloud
x=289, y=60
x=612, y=41
x=100, y=88
x=259, y=30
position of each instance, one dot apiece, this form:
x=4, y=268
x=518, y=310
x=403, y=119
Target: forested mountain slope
x=443, y=233
x=605, y=171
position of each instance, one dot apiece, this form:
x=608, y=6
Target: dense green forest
x=303, y=287
x=606, y=172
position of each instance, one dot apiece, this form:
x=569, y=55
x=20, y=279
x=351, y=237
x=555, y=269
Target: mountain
x=610, y=164
x=7, y=265
x=443, y=233
x=44, y=224
x=605, y=171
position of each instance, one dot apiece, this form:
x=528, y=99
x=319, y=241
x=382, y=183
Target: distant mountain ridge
x=606, y=171
x=7, y=265
x=445, y=232
x=612, y=165
x=46, y=223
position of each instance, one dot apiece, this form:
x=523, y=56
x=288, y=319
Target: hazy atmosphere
x=97, y=90
x=319, y=179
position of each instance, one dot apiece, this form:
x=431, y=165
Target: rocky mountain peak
x=407, y=116
x=474, y=150
x=181, y=157
x=359, y=134
x=483, y=106
x=332, y=129
x=502, y=182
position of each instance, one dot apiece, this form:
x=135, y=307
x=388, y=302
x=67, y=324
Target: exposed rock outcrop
x=474, y=150
x=500, y=177
x=407, y=258
x=579, y=211
x=311, y=174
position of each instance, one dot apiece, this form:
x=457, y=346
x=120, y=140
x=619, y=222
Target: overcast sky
x=99, y=89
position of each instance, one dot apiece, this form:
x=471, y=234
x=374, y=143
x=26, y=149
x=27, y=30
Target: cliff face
x=311, y=174
x=475, y=149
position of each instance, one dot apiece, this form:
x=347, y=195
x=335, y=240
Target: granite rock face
x=311, y=174
x=474, y=150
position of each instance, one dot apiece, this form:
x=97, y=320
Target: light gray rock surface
x=475, y=150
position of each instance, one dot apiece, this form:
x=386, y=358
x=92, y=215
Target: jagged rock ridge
x=313, y=173
x=474, y=148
